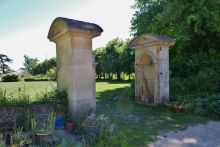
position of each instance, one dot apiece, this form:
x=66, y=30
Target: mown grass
x=32, y=89
x=138, y=125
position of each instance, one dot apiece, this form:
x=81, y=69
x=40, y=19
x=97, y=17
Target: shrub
x=109, y=136
x=213, y=105
x=59, y=101
x=205, y=81
x=39, y=77
x=208, y=104
x=34, y=79
x=51, y=73
x=10, y=78
x=23, y=75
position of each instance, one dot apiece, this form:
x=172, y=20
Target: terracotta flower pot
x=69, y=126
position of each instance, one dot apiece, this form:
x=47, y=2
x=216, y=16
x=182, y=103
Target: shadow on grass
x=141, y=124
x=108, y=95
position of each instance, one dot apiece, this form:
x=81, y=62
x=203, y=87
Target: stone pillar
x=164, y=74
x=153, y=48
x=75, y=62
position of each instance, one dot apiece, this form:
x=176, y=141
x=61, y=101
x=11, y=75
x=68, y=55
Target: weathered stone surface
x=62, y=25
x=75, y=61
x=152, y=68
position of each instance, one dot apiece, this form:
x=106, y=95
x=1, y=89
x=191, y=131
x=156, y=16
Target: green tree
x=127, y=59
x=43, y=67
x=30, y=64
x=114, y=59
x=114, y=51
x=194, y=24
x=33, y=66
x=99, y=53
x=4, y=60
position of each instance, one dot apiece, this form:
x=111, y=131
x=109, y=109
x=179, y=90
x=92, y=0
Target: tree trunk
x=118, y=76
x=104, y=75
x=3, y=69
x=109, y=76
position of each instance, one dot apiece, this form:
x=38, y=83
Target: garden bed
x=8, y=114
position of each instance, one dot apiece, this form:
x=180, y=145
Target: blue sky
x=25, y=23
x=17, y=15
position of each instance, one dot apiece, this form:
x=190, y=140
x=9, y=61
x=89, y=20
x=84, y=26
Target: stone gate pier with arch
x=151, y=68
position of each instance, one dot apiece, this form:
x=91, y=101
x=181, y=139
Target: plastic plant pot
x=59, y=123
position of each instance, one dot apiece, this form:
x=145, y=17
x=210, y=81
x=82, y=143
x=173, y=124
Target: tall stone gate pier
x=75, y=61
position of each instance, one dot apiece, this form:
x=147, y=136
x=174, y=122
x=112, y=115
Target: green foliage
x=45, y=66
x=4, y=60
x=3, y=98
x=51, y=121
x=2, y=142
x=60, y=101
x=24, y=120
x=109, y=136
x=33, y=125
x=130, y=118
x=51, y=73
x=30, y=63
x=198, y=77
x=37, y=78
x=92, y=120
x=33, y=66
x=16, y=137
x=193, y=23
x=66, y=143
x=10, y=78
x=43, y=127
x=23, y=75
x=195, y=57
x=102, y=132
x=114, y=59
x=212, y=105
x=23, y=94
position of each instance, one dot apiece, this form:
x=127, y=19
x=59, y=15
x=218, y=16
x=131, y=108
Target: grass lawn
x=33, y=89
x=140, y=125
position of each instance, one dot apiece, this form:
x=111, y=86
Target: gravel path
x=203, y=135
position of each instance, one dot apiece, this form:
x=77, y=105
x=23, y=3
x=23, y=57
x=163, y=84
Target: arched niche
x=151, y=68
x=145, y=69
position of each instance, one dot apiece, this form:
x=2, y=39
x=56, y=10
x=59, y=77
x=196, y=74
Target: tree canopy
x=195, y=57
x=194, y=23
x=114, y=59
x=4, y=60
x=33, y=66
